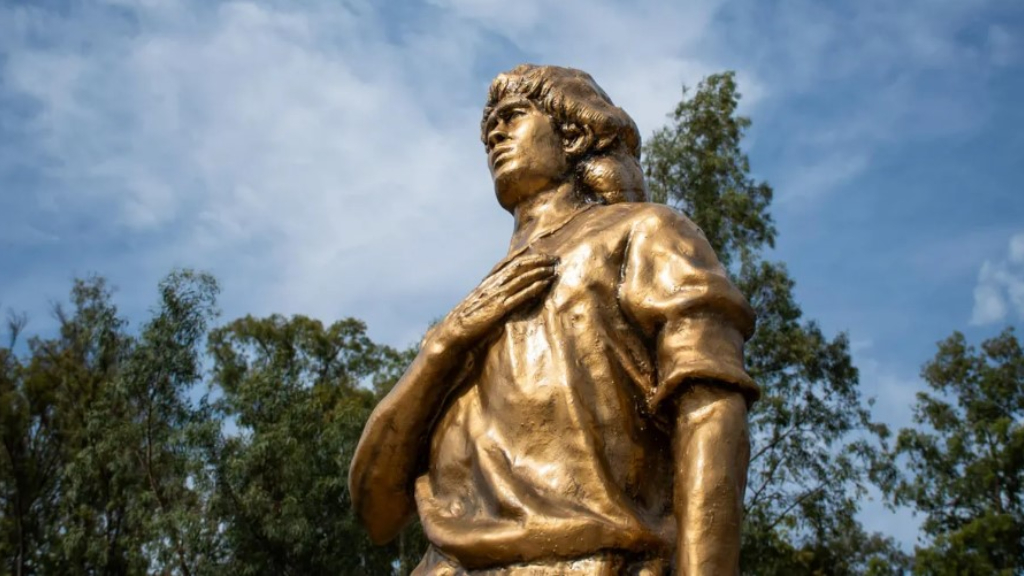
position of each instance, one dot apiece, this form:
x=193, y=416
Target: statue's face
x=524, y=151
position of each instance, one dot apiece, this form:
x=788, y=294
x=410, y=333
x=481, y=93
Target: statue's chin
x=507, y=193
x=514, y=184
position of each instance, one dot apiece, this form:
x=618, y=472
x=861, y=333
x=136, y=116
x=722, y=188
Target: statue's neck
x=543, y=212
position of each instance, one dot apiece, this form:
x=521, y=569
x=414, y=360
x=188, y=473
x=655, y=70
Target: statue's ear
x=576, y=139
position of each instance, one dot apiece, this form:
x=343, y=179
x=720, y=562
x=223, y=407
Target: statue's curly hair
x=609, y=169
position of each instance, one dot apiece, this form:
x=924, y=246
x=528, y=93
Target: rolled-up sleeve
x=676, y=291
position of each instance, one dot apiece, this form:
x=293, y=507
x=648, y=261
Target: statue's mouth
x=499, y=155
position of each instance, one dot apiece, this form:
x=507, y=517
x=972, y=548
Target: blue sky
x=322, y=157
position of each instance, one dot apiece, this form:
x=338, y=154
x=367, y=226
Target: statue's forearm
x=384, y=463
x=711, y=450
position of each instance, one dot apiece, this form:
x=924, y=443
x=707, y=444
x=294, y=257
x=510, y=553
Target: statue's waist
x=605, y=563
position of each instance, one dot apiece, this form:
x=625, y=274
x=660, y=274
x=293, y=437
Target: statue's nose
x=497, y=136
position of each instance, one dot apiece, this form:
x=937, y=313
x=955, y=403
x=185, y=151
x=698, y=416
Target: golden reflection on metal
x=583, y=410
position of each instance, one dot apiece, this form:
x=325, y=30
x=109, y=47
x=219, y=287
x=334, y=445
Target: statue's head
x=596, y=143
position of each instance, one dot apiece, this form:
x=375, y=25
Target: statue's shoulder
x=648, y=218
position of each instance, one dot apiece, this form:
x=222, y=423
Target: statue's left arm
x=675, y=289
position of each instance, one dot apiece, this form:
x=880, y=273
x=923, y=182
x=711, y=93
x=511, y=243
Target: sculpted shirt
x=555, y=442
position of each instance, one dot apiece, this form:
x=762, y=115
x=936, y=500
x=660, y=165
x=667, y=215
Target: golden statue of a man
x=584, y=409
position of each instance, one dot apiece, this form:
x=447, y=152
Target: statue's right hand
x=519, y=281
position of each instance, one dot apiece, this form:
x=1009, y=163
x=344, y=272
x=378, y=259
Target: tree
x=813, y=439
x=114, y=460
x=100, y=473
x=297, y=393
x=48, y=401
x=29, y=463
x=696, y=165
x=964, y=461
x=156, y=442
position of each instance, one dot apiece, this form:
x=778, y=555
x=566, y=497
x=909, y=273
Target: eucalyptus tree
x=814, y=443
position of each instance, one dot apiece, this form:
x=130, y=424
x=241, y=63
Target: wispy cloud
x=322, y=157
x=1000, y=287
x=819, y=177
x=850, y=81
x=318, y=157
x=285, y=148
x=641, y=52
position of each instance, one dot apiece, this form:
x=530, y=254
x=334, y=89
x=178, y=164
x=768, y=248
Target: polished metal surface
x=583, y=410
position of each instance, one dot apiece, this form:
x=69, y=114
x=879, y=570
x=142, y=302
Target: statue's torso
x=546, y=449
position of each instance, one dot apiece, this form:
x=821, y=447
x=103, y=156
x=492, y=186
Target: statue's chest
x=588, y=272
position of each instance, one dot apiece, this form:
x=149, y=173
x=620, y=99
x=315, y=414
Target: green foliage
x=695, y=164
x=292, y=389
x=964, y=461
x=164, y=429
x=814, y=444
x=29, y=463
x=99, y=471
x=114, y=461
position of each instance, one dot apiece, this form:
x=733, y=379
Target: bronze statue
x=584, y=409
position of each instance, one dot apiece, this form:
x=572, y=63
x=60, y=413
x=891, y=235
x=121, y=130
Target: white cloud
x=285, y=149
x=1000, y=286
x=820, y=176
x=640, y=52
x=322, y=157
x=853, y=80
x=310, y=160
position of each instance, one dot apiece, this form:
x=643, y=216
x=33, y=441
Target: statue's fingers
x=526, y=278
x=513, y=275
x=527, y=294
x=494, y=305
x=526, y=262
